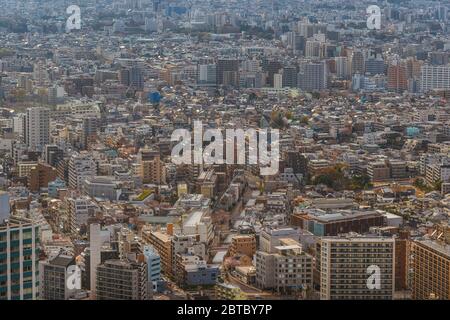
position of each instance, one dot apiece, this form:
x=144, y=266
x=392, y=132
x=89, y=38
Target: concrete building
x=54, y=276
x=345, y=265
x=431, y=270
x=40, y=176
x=122, y=280
x=5, y=208
x=152, y=169
x=243, y=244
x=103, y=187
x=161, y=242
x=199, y=222
x=81, y=166
x=19, y=258
x=288, y=269
x=37, y=127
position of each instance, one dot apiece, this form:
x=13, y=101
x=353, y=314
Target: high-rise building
x=54, y=278
x=81, y=165
x=228, y=72
x=207, y=74
x=313, y=76
x=152, y=169
x=53, y=154
x=430, y=269
x=90, y=129
x=435, y=77
x=4, y=206
x=348, y=263
x=19, y=258
x=290, y=77
x=40, y=176
x=342, y=68
x=136, y=78
x=122, y=280
x=397, y=77
x=161, y=242
x=79, y=211
x=271, y=67
x=358, y=62
x=37, y=127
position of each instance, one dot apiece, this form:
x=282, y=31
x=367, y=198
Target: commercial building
x=323, y=223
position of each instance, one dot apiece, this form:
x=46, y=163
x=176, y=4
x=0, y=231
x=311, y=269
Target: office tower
x=136, y=78
x=52, y=95
x=430, y=269
x=152, y=169
x=434, y=77
x=124, y=77
x=313, y=76
x=278, y=80
x=37, y=128
x=271, y=67
x=299, y=44
x=53, y=154
x=81, y=165
x=312, y=49
x=290, y=77
x=342, y=67
x=288, y=269
x=397, y=77
x=297, y=161
x=207, y=74
x=358, y=62
x=122, y=280
x=375, y=65
x=55, y=275
x=90, y=129
x=228, y=72
x=347, y=263
x=19, y=269
x=4, y=206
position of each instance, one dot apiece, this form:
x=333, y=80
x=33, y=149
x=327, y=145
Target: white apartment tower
x=37, y=127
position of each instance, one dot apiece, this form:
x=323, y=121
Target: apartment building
x=431, y=270
x=288, y=268
x=345, y=263
x=122, y=280
x=19, y=258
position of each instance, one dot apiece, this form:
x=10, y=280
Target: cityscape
x=224, y=150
